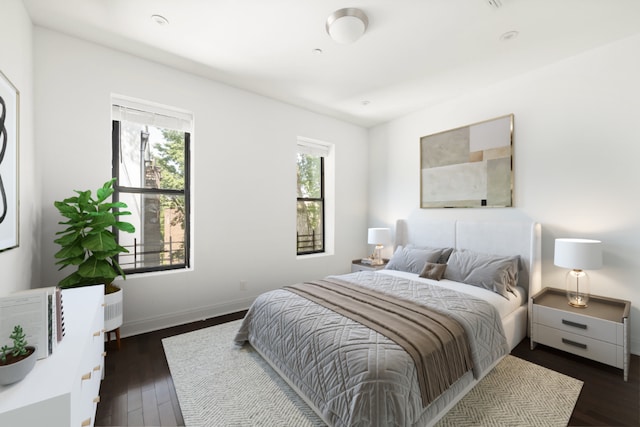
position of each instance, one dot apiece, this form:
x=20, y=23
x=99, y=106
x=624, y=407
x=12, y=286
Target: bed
x=352, y=374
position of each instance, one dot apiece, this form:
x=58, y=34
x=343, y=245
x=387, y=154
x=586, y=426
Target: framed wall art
x=468, y=167
x=9, y=111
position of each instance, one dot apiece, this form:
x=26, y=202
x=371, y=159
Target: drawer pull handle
x=86, y=376
x=86, y=423
x=574, y=324
x=104, y=354
x=97, y=368
x=97, y=333
x=96, y=399
x=575, y=344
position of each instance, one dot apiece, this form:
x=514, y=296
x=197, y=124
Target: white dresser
x=62, y=390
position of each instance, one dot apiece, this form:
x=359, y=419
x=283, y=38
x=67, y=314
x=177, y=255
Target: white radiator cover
x=113, y=310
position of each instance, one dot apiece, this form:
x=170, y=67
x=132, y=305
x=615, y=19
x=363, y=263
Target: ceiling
x=414, y=54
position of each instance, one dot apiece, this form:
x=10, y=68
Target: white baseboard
x=182, y=317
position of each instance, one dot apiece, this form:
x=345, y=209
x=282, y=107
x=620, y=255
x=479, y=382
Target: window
x=311, y=203
x=151, y=164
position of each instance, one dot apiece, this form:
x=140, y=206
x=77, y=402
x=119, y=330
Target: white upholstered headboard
x=505, y=238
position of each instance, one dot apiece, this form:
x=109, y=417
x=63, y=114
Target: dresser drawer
x=590, y=348
x=586, y=326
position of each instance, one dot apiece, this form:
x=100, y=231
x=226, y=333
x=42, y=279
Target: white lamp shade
x=347, y=25
x=379, y=236
x=578, y=254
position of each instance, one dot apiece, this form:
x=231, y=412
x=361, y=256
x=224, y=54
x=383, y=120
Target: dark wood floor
x=138, y=391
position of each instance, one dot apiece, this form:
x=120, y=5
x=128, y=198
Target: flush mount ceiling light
x=347, y=25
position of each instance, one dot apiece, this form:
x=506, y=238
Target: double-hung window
x=311, y=201
x=151, y=158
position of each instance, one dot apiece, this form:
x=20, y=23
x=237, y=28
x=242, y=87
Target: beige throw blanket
x=437, y=343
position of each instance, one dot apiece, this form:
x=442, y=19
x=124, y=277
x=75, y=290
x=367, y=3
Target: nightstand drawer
x=586, y=326
x=600, y=351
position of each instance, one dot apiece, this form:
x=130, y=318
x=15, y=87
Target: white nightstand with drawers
x=358, y=265
x=598, y=332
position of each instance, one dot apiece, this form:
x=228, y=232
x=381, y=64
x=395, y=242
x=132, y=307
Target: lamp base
x=577, y=283
x=578, y=304
x=377, y=256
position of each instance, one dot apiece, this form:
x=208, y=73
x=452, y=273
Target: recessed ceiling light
x=365, y=103
x=317, y=51
x=159, y=19
x=509, y=35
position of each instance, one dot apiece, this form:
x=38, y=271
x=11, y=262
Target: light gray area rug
x=219, y=384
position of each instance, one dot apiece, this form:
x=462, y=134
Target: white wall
x=244, y=177
x=18, y=266
x=577, y=147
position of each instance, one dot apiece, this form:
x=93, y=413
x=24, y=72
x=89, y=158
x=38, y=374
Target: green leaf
x=115, y=263
x=97, y=268
x=122, y=250
x=69, y=239
x=125, y=226
x=74, y=279
x=84, y=198
x=114, y=205
x=71, y=200
x=68, y=229
x=106, y=190
x=65, y=208
x=101, y=220
x=99, y=241
x=70, y=261
x=70, y=251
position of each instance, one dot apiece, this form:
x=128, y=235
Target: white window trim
x=166, y=116
x=327, y=150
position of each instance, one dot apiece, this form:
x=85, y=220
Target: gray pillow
x=444, y=256
x=412, y=259
x=495, y=273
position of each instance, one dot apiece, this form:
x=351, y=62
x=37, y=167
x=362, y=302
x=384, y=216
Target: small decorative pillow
x=433, y=271
x=495, y=273
x=411, y=259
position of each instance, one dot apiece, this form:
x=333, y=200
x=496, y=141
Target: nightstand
x=598, y=332
x=357, y=265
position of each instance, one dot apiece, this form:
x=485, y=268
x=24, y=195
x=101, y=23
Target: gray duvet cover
x=351, y=374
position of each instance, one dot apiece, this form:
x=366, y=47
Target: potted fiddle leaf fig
x=89, y=245
x=17, y=361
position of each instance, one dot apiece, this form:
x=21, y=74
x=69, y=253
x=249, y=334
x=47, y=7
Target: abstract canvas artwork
x=468, y=167
x=8, y=164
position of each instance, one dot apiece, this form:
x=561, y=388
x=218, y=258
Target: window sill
x=318, y=255
x=144, y=275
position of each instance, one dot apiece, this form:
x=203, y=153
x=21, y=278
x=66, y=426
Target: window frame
x=326, y=150
x=186, y=193
x=322, y=201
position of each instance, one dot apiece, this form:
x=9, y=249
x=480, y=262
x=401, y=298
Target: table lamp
x=378, y=236
x=578, y=255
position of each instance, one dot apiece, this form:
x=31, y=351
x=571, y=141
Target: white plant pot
x=113, y=310
x=15, y=372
